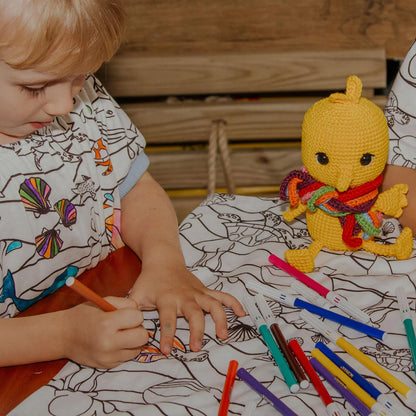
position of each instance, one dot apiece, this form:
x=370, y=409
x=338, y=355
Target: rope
x=225, y=157
x=212, y=158
x=218, y=141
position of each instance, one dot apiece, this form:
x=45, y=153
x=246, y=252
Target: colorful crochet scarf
x=352, y=207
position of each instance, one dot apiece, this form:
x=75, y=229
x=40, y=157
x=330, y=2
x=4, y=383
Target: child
x=400, y=112
x=67, y=152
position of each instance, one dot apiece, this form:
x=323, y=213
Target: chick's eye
x=366, y=159
x=322, y=158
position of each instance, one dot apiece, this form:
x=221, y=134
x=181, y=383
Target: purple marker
x=337, y=385
x=265, y=393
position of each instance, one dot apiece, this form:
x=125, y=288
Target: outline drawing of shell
x=67, y=212
x=48, y=243
x=34, y=193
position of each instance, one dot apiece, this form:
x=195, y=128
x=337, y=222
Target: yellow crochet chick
x=344, y=151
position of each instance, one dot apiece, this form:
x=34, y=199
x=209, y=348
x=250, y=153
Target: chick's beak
x=344, y=179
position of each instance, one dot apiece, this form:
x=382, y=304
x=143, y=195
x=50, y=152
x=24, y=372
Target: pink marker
x=331, y=296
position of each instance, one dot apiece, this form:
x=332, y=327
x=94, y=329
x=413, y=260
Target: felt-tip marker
x=268, y=316
x=331, y=296
x=332, y=408
x=261, y=325
x=376, y=368
x=228, y=386
x=290, y=300
x=89, y=294
x=359, y=379
x=265, y=392
x=407, y=322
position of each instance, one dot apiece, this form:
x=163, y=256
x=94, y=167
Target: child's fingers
x=196, y=320
x=167, y=319
x=126, y=318
x=214, y=307
x=229, y=301
x=132, y=339
x=121, y=303
x=130, y=354
x=116, y=358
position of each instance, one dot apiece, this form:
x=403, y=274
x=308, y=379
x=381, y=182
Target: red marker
x=88, y=294
x=331, y=407
x=228, y=386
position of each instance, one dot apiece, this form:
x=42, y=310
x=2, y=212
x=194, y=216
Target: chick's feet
x=404, y=244
x=302, y=259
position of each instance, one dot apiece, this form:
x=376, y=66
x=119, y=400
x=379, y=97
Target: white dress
x=60, y=199
x=400, y=112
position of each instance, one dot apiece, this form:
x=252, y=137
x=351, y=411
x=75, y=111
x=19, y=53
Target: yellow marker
x=374, y=367
x=377, y=369
x=348, y=381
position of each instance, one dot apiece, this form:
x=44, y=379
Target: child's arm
x=398, y=174
x=149, y=227
x=83, y=333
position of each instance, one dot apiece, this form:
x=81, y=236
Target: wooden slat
x=246, y=120
x=242, y=73
x=172, y=123
x=250, y=166
x=161, y=27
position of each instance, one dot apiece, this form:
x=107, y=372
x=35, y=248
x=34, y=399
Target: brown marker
x=290, y=358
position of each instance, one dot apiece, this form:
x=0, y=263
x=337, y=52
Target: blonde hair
x=60, y=36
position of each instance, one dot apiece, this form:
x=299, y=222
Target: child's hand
x=104, y=339
x=174, y=292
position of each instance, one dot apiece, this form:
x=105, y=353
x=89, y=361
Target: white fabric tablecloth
x=227, y=241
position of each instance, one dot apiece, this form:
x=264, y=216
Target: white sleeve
x=400, y=112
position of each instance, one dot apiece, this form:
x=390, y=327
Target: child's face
x=31, y=100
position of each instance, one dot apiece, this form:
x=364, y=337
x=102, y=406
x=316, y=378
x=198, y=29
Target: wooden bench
x=261, y=98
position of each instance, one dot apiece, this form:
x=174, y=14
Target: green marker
x=271, y=344
x=407, y=322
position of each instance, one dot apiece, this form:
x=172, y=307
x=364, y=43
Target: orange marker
x=228, y=386
x=88, y=294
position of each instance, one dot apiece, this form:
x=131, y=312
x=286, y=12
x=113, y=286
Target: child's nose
x=60, y=99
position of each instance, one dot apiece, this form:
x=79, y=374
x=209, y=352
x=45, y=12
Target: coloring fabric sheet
x=227, y=241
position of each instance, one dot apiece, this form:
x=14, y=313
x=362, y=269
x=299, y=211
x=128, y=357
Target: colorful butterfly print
x=34, y=193
x=48, y=243
x=66, y=211
x=102, y=157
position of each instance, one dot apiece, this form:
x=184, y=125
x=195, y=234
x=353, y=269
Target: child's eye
x=322, y=158
x=33, y=91
x=366, y=159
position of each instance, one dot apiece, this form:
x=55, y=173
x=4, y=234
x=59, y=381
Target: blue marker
x=351, y=398
x=271, y=344
x=359, y=379
x=290, y=300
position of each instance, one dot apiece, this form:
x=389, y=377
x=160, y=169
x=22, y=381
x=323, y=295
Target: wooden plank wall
x=186, y=63
x=166, y=27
